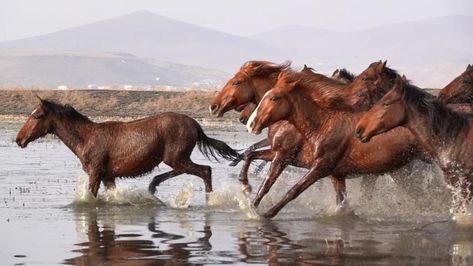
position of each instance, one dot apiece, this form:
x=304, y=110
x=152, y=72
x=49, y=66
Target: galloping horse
x=325, y=119
x=253, y=80
x=126, y=149
x=445, y=134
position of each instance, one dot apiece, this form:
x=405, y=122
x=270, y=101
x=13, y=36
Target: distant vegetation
x=97, y=103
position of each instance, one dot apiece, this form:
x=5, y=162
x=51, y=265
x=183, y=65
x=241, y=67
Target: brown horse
x=321, y=114
x=126, y=149
x=459, y=90
x=243, y=91
x=287, y=144
x=445, y=134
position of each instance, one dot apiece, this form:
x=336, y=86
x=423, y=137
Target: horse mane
x=64, y=110
x=326, y=91
x=442, y=120
x=264, y=68
x=344, y=73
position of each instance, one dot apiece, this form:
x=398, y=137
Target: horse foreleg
x=320, y=169
x=159, y=179
x=243, y=156
x=94, y=184
x=109, y=184
x=339, y=185
x=277, y=166
x=267, y=155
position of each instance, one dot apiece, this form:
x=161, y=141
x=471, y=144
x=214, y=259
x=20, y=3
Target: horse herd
x=337, y=126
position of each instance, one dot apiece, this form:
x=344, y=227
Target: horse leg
x=277, y=166
x=94, y=184
x=255, y=146
x=109, y=184
x=267, y=155
x=339, y=185
x=159, y=179
x=320, y=169
x=202, y=171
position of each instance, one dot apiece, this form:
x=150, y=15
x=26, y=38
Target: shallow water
x=47, y=216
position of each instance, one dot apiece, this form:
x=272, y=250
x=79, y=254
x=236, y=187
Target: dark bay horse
x=253, y=80
x=460, y=89
x=126, y=149
x=325, y=119
x=445, y=134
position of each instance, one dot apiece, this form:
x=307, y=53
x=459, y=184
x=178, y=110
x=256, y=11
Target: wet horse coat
x=125, y=149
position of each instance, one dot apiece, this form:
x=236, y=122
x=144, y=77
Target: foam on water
x=230, y=196
x=121, y=195
x=183, y=197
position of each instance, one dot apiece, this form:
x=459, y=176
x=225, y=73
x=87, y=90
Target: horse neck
x=305, y=115
x=71, y=133
x=329, y=94
x=419, y=123
x=263, y=85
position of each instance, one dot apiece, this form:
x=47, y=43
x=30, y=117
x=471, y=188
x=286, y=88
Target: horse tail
x=213, y=147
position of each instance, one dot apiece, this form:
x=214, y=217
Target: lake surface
x=47, y=216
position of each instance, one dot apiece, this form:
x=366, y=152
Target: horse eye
x=274, y=98
x=237, y=82
x=386, y=104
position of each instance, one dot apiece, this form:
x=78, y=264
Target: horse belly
x=378, y=157
x=134, y=162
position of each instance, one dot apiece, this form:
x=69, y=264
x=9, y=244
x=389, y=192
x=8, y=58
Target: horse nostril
x=213, y=107
x=358, y=131
x=243, y=120
x=18, y=142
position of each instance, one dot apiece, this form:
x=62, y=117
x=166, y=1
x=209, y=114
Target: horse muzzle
x=21, y=143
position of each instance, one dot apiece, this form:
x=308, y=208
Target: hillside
x=148, y=35
x=80, y=69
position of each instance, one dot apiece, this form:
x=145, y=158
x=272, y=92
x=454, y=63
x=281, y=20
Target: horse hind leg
x=159, y=179
x=202, y=171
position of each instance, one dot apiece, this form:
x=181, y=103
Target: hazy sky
x=25, y=18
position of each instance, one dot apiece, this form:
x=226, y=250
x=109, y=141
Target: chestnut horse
x=126, y=149
x=287, y=145
x=322, y=115
x=459, y=90
x=342, y=75
x=445, y=134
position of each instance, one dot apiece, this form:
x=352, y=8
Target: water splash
x=460, y=207
x=122, y=195
x=230, y=196
x=183, y=197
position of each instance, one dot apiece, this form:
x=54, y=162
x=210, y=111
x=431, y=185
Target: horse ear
x=305, y=67
x=469, y=67
x=404, y=78
x=380, y=67
x=39, y=98
x=335, y=72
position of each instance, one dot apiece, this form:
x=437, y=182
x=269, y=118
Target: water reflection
x=162, y=235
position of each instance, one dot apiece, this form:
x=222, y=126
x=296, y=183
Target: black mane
x=442, y=120
x=64, y=110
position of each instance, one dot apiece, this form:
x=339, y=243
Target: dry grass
x=97, y=103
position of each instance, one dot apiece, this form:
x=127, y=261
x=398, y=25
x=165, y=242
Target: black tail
x=213, y=147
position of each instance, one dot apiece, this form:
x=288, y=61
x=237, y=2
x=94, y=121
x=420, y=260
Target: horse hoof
x=246, y=189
